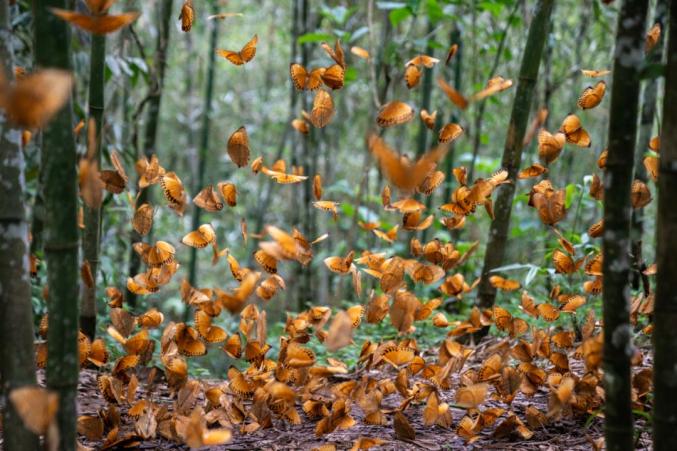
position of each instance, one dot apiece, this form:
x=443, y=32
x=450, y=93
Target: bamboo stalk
x=512, y=152
x=91, y=238
x=61, y=245
x=628, y=58
x=204, y=138
x=152, y=120
x=646, y=123
x=665, y=309
x=16, y=314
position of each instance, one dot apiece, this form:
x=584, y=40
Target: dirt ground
x=568, y=434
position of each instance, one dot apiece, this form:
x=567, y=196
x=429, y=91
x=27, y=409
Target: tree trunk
x=59, y=175
x=665, y=309
x=455, y=38
x=426, y=93
x=204, y=139
x=646, y=122
x=628, y=58
x=152, y=120
x=16, y=315
x=512, y=153
x=91, y=239
x=479, y=111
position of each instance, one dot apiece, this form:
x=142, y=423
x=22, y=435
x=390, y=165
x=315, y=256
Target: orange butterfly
x=394, y=113
x=592, y=96
x=36, y=98
x=238, y=147
x=97, y=24
x=187, y=15
x=243, y=56
x=403, y=173
x=323, y=109
x=303, y=79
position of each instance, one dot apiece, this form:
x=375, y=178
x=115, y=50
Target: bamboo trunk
x=91, y=238
x=646, y=122
x=16, y=315
x=512, y=153
x=59, y=175
x=665, y=309
x=204, y=139
x=455, y=38
x=152, y=120
x=628, y=58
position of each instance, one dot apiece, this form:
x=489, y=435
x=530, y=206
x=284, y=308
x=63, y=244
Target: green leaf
x=350, y=75
x=514, y=267
x=435, y=13
x=314, y=37
x=533, y=271
x=571, y=191
x=492, y=7
x=398, y=15
x=357, y=34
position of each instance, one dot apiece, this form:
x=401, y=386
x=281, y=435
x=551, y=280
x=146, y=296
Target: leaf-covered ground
x=570, y=433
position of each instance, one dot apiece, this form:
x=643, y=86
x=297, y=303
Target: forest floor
x=571, y=434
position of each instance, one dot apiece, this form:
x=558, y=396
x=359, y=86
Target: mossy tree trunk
x=16, y=315
x=628, y=58
x=512, y=152
x=61, y=235
x=665, y=309
x=91, y=238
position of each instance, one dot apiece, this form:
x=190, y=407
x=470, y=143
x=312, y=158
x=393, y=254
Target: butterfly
x=394, y=113
x=359, y=52
x=456, y=97
x=428, y=118
x=187, y=15
x=115, y=180
x=238, y=147
x=592, y=96
x=506, y=322
x=550, y=146
x=504, y=284
x=550, y=205
x=449, y=133
x=208, y=200
x=595, y=73
x=99, y=6
x=245, y=55
x=336, y=53
x=34, y=99
x=574, y=131
x=96, y=24
x=403, y=173
x=333, y=76
x=172, y=188
x=532, y=171
x=652, y=37
x=303, y=79
x=323, y=109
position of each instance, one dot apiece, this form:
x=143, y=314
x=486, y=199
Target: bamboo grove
x=293, y=226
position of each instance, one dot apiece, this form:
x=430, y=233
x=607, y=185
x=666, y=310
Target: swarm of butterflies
x=392, y=378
